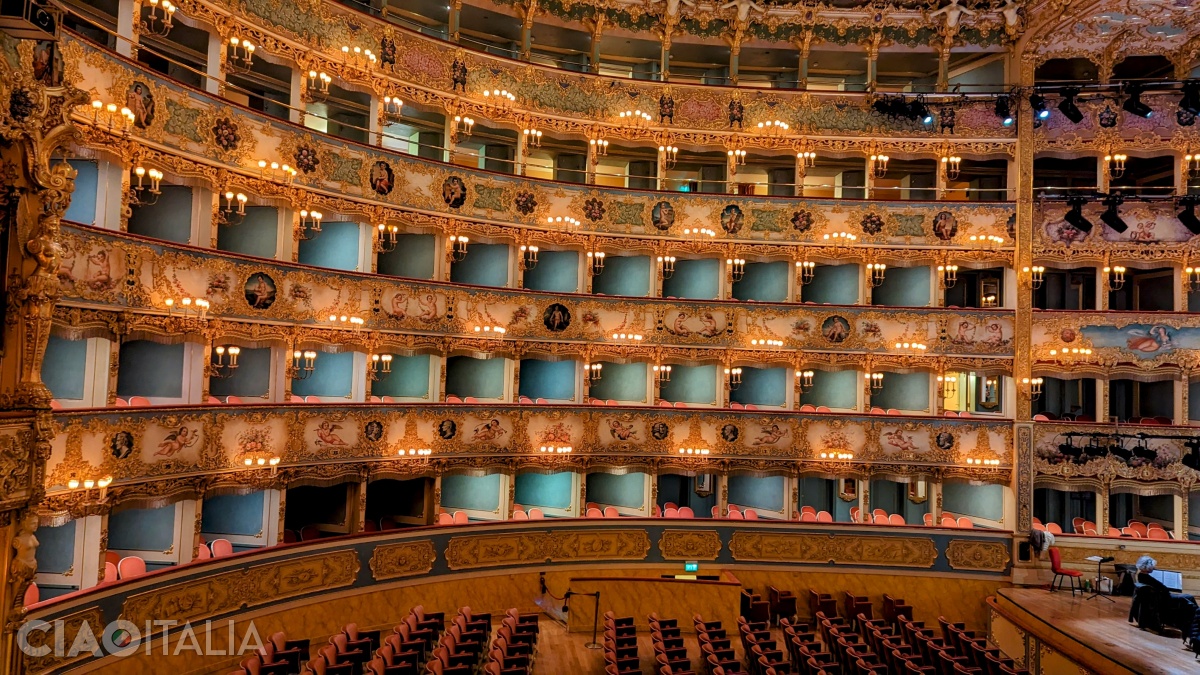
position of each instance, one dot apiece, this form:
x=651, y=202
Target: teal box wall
x=833, y=285
x=83, y=199
x=556, y=271
x=758, y=492
x=485, y=265
x=336, y=247
x=681, y=491
x=764, y=282
x=333, y=377
x=903, y=391
x=621, y=382
x=691, y=384
x=978, y=501
x=142, y=529
x=694, y=279
x=624, y=490
x=150, y=369
x=56, y=548
x=549, y=490
x=903, y=287
x=473, y=493
x=552, y=380
x=762, y=386
x=833, y=389
x=64, y=366
x=481, y=378
x=413, y=257
x=257, y=234
x=252, y=377
x=624, y=275
x=237, y=515
x=170, y=217
x=409, y=377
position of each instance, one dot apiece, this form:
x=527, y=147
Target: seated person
x=1163, y=605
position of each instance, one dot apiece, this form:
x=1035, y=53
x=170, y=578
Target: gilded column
x=454, y=20
x=1023, y=321
x=528, y=10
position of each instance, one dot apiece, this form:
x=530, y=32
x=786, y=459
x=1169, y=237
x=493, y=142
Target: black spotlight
x=1192, y=459
x=1110, y=217
x=1143, y=453
x=1067, y=105
x=1121, y=452
x=1068, y=449
x=1188, y=215
x=1075, y=216
x=1038, y=103
x=1004, y=110
x=1133, y=101
x=1094, y=449
x=917, y=110
x=880, y=106
x=1190, y=100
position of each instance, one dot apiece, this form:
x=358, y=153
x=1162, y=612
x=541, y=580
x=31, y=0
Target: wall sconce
x=1191, y=165
x=393, y=109
x=275, y=171
x=807, y=159
x=310, y=224
x=911, y=347
x=556, y=449
x=804, y=378
x=529, y=257
x=874, y=381
x=836, y=455
x=1033, y=387
x=493, y=332
x=261, y=459
x=989, y=240
x=379, y=366
x=358, y=57
x=229, y=215
x=1069, y=354
x=1116, y=164
x=840, y=238
x=218, y=367
x=386, y=238
x=145, y=193
x=414, y=452
x=634, y=119
x=666, y=265
x=155, y=24
x=972, y=461
x=736, y=267
x=1115, y=276
x=806, y=271
x=117, y=119
x=458, y=247
x=1035, y=274
x=346, y=321
x=591, y=372
x=693, y=451
x=668, y=154
x=628, y=337
x=699, y=233
x=989, y=301
x=765, y=342
x=600, y=147
x=947, y=385
x=663, y=373
x=462, y=127
x=1191, y=277
x=499, y=99
x=737, y=157
x=533, y=138
x=952, y=164
x=302, y=365
x=948, y=275
x=875, y=274
x=187, y=307
x=239, y=55
x=562, y=221
x=595, y=263
x=317, y=86
x=878, y=165
x=773, y=128
x=89, y=484
x=733, y=377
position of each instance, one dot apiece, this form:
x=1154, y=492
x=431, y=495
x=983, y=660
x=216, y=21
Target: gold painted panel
x=394, y=561
x=988, y=556
x=491, y=550
x=690, y=544
x=841, y=549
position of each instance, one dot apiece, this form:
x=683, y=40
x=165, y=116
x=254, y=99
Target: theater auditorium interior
x=600, y=337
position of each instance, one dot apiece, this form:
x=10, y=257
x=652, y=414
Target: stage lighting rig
x=1188, y=215
x=1133, y=101
x=1075, y=217
x=1004, y=110
x=1111, y=217
x=1068, y=107
x=1038, y=103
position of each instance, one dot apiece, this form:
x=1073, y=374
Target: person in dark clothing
x=1179, y=609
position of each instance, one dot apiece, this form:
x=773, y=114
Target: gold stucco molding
x=518, y=548
x=827, y=548
x=690, y=544
x=411, y=558
x=987, y=556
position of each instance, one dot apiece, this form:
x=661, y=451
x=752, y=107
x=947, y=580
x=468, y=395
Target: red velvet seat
x=1061, y=573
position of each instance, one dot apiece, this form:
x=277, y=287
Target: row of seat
x=1134, y=528
x=670, y=654
x=620, y=646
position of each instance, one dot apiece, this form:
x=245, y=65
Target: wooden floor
x=1103, y=627
x=563, y=653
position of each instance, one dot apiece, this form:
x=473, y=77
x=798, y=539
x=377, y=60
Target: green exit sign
x=691, y=566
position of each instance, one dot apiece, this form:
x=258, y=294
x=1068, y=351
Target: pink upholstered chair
x=1157, y=533
x=735, y=515
x=460, y=518
x=451, y=398
x=1053, y=528
x=131, y=567
x=520, y=515
x=750, y=514
x=312, y=399
x=110, y=573
x=670, y=513
x=896, y=519
x=949, y=521
x=807, y=517
x=823, y=409
x=120, y=403
x=445, y=519
x=32, y=594
x=221, y=548
x=928, y=519
x=611, y=512
x=965, y=522
x=881, y=519
x=808, y=407
x=536, y=514
x=139, y=402
x=375, y=399
x=686, y=512
x=808, y=509
x=202, y=552
x=824, y=517
x=594, y=513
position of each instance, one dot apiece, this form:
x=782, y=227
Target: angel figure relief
x=327, y=434
x=177, y=441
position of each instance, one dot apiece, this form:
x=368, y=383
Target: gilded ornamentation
x=493, y=550
x=690, y=544
x=988, y=556
x=916, y=552
x=394, y=561
x=72, y=623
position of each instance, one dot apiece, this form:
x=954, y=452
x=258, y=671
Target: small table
x=1099, y=560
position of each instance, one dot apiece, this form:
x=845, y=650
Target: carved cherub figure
x=671, y=11
x=743, y=9
x=953, y=12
